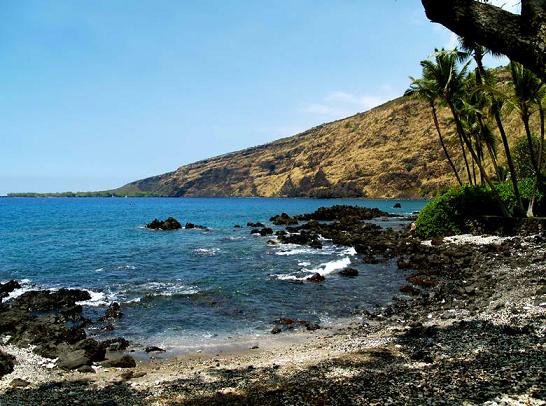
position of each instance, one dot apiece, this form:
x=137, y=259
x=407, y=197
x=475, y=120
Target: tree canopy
x=520, y=37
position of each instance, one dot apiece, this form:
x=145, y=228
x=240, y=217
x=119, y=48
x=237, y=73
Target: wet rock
x=255, y=225
x=409, y=290
x=397, y=206
x=7, y=288
x=283, y=219
x=154, y=349
x=422, y=281
x=316, y=277
x=276, y=330
x=6, y=363
x=236, y=226
x=169, y=224
x=44, y=300
x=112, y=312
x=348, y=272
x=315, y=243
x=339, y=212
x=124, y=362
x=271, y=242
x=266, y=231
x=190, y=226
x=115, y=344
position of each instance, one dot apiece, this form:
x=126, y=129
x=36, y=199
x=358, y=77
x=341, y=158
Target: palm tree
x=425, y=90
x=446, y=76
x=445, y=79
x=485, y=81
x=528, y=92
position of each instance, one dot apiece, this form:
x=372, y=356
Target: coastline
x=476, y=336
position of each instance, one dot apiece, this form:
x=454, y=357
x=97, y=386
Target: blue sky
x=94, y=94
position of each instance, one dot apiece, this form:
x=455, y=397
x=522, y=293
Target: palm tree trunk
x=467, y=166
x=509, y=161
x=500, y=126
x=474, y=156
x=530, y=210
x=492, y=153
x=437, y=125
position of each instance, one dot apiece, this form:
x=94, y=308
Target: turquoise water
x=187, y=286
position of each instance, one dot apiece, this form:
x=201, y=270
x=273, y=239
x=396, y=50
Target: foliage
x=454, y=211
x=527, y=186
x=522, y=156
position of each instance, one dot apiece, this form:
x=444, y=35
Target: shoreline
x=469, y=329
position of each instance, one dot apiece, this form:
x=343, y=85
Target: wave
x=206, y=252
x=323, y=269
x=26, y=286
x=294, y=249
x=330, y=267
x=97, y=299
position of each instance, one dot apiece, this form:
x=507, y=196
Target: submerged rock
x=112, y=312
x=255, y=225
x=397, y=206
x=170, y=224
x=348, y=272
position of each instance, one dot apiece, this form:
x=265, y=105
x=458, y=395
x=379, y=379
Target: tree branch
x=521, y=38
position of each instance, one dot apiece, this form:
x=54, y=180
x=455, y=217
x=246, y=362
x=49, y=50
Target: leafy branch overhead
x=520, y=37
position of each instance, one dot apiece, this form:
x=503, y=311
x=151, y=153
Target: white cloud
x=340, y=104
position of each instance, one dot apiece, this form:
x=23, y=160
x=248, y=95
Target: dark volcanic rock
x=397, y=206
x=124, y=362
x=255, y=225
x=283, y=219
x=112, y=312
x=170, y=224
x=339, y=212
x=190, y=226
x=154, y=349
x=7, y=288
x=93, y=349
x=6, y=363
x=348, y=272
x=44, y=300
x=73, y=359
x=115, y=344
x=316, y=277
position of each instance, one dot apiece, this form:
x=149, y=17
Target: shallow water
x=188, y=286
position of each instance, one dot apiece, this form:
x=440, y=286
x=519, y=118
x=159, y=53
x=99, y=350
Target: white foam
x=208, y=252
x=97, y=299
x=304, y=263
x=169, y=289
x=295, y=249
x=349, y=251
x=26, y=286
x=330, y=267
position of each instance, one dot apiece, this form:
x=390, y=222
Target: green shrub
x=455, y=211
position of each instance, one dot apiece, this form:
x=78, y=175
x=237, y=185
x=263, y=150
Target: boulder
x=169, y=224
x=115, y=344
x=154, y=349
x=124, y=362
x=255, y=225
x=283, y=219
x=190, y=226
x=316, y=277
x=73, y=359
x=44, y=300
x=397, y=206
x=7, y=288
x=112, y=312
x=93, y=349
x=348, y=272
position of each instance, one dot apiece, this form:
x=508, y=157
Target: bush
x=455, y=211
x=527, y=186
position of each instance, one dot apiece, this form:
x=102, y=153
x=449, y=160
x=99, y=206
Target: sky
x=95, y=94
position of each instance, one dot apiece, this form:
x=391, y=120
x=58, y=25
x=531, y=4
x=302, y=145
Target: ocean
x=188, y=287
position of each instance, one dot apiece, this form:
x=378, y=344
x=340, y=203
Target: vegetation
x=455, y=211
x=477, y=104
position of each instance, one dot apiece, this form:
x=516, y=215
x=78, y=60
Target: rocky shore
x=467, y=328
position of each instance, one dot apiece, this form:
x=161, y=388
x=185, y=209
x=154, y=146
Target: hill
x=391, y=151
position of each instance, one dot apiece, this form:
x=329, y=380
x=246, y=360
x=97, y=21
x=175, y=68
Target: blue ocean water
x=187, y=286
